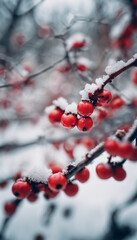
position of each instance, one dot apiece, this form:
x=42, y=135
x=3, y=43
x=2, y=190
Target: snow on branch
x=99, y=149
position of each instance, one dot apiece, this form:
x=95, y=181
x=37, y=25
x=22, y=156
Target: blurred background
x=38, y=65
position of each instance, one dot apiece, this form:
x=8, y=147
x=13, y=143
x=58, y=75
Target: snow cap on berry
x=71, y=108
x=49, y=109
x=61, y=103
x=78, y=37
x=37, y=174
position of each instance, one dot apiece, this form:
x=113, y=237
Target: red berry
x=117, y=103
x=41, y=187
x=55, y=115
x=133, y=156
x=54, y=167
x=127, y=42
x=57, y=182
x=104, y=97
x=119, y=173
x=3, y=184
x=28, y=67
x=124, y=150
x=69, y=120
x=128, y=30
x=2, y=71
x=18, y=175
x=32, y=197
x=85, y=108
x=134, y=102
x=101, y=115
x=78, y=44
x=48, y=193
x=125, y=127
x=83, y=175
x=6, y=103
x=44, y=31
x=64, y=68
x=134, y=77
x=81, y=68
x=69, y=148
x=135, y=3
x=71, y=189
x=88, y=142
x=9, y=208
x=111, y=146
x=104, y=171
x=21, y=189
x=84, y=124
x=57, y=145
x=19, y=39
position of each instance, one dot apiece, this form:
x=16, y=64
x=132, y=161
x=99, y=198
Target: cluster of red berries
x=70, y=120
x=122, y=149
x=85, y=108
x=56, y=182
x=105, y=171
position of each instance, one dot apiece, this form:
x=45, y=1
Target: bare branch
x=23, y=83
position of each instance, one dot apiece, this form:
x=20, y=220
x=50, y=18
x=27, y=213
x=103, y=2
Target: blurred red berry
x=71, y=189
x=104, y=171
x=83, y=175
x=32, y=197
x=9, y=208
x=119, y=173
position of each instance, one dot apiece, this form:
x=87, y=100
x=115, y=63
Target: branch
x=30, y=10
x=130, y=63
x=31, y=76
x=77, y=19
x=44, y=69
x=97, y=132
x=97, y=151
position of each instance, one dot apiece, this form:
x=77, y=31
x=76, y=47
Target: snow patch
x=37, y=174
x=61, y=103
x=71, y=108
x=49, y=109
x=100, y=81
x=84, y=95
x=116, y=67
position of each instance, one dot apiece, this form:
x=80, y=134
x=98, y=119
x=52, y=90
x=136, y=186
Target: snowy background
x=90, y=210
